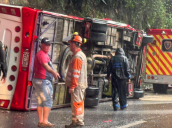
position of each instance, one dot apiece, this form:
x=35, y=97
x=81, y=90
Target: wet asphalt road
x=152, y=111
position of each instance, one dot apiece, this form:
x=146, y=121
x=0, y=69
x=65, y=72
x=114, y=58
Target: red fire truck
x=158, y=60
x=21, y=31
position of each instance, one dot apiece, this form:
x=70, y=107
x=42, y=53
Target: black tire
x=155, y=88
x=67, y=55
x=98, y=27
x=92, y=92
x=164, y=88
x=62, y=50
x=98, y=37
x=138, y=93
x=147, y=39
x=161, y=88
x=91, y=102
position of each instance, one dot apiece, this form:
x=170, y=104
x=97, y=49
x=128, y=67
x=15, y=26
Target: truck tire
x=67, y=55
x=98, y=27
x=155, y=88
x=92, y=92
x=98, y=37
x=162, y=88
x=138, y=93
x=91, y=102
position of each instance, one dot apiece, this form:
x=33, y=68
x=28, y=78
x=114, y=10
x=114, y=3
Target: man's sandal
x=39, y=124
x=47, y=124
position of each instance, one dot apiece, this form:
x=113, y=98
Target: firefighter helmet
x=76, y=38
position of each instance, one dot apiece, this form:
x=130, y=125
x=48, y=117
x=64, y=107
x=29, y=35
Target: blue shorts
x=44, y=92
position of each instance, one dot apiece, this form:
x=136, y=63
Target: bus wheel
x=98, y=37
x=91, y=102
x=92, y=92
x=138, y=93
x=102, y=28
x=67, y=55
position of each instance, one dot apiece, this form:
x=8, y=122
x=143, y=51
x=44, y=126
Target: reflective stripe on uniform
x=77, y=71
x=76, y=76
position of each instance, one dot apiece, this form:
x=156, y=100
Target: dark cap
x=45, y=40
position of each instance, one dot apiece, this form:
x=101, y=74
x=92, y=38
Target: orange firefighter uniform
x=77, y=79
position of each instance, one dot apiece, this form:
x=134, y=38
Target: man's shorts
x=44, y=92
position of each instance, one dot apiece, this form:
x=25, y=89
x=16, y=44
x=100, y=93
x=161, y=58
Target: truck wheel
x=92, y=92
x=155, y=88
x=91, y=102
x=165, y=87
x=162, y=88
x=138, y=93
x=67, y=55
x=98, y=37
x=99, y=27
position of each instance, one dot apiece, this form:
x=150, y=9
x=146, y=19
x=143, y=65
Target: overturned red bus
x=21, y=29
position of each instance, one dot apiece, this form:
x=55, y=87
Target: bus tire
x=67, y=55
x=99, y=27
x=98, y=37
x=138, y=93
x=92, y=92
x=91, y=102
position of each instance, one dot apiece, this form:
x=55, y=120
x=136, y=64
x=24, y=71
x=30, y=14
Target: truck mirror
x=147, y=39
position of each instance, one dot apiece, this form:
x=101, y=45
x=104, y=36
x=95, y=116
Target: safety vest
x=82, y=79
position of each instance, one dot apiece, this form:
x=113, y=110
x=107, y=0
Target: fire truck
x=158, y=60
x=21, y=31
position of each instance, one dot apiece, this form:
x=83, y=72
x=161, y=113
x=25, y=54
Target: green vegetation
x=140, y=14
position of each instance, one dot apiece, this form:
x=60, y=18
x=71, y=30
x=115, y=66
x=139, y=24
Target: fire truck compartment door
x=152, y=57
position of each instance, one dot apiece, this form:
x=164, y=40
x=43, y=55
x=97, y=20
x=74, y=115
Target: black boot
x=73, y=126
x=115, y=107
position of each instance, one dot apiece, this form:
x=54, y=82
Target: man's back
x=119, y=65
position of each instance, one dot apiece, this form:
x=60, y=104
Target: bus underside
x=57, y=28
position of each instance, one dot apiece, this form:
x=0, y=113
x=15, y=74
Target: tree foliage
x=141, y=14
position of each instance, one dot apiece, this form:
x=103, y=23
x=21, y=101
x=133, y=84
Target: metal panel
x=60, y=94
x=66, y=28
x=160, y=79
x=59, y=30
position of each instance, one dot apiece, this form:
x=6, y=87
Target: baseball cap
x=45, y=40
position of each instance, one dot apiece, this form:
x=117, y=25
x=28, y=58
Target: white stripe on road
x=132, y=124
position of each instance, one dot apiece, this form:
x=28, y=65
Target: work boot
x=115, y=107
x=124, y=107
x=73, y=126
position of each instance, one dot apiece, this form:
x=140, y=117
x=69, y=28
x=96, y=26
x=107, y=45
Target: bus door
x=10, y=25
x=55, y=27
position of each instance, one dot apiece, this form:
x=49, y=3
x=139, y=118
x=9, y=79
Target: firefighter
x=76, y=80
x=118, y=67
x=3, y=64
